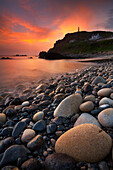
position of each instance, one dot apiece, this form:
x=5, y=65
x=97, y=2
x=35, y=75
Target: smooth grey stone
x=18, y=128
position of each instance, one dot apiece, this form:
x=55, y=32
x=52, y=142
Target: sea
x=28, y=70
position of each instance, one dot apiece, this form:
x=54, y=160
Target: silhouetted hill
x=84, y=42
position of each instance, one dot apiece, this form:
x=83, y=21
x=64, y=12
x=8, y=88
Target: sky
x=31, y=26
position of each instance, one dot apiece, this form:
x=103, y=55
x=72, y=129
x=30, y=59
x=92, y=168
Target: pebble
x=27, y=135
x=41, y=87
x=35, y=143
x=18, y=108
x=58, y=161
x=2, y=118
x=87, y=106
x=105, y=117
x=13, y=153
x=10, y=168
x=82, y=139
x=5, y=143
x=111, y=95
x=51, y=128
x=103, y=165
x=10, y=112
x=26, y=103
x=39, y=126
x=98, y=79
x=106, y=100
x=38, y=116
x=90, y=98
x=31, y=164
x=87, y=118
x=105, y=92
x=69, y=106
x=18, y=128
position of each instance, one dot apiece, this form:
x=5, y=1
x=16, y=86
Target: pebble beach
x=65, y=123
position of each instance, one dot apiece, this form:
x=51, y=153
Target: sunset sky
x=30, y=26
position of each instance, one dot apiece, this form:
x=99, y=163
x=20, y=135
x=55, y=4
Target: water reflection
x=21, y=70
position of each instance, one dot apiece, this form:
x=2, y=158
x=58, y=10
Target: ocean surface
x=23, y=70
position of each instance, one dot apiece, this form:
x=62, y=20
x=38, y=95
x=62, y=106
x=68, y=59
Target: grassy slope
x=87, y=47
x=82, y=45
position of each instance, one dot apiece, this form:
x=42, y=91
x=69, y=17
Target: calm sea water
x=22, y=70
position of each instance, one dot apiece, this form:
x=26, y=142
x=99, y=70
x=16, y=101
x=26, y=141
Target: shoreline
x=32, y=126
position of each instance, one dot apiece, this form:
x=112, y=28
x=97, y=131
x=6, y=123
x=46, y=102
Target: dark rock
x=6, y=131
x=44, y=103
x=42, y=54
x=16, y=101
x=13, y=153
x=31, y=164
x=51, y=128
x=39, y=126
x=58, y=120
x=87, y=88
x=10, y=123
x=10, y=112
x=18, y=128
x=4, y=144
x=35, y=143
x=51, y=55
x=58, y=161
x=10, y=168
x=8, y=100
x=103, y=165
x=95, y=112
x=60, y=128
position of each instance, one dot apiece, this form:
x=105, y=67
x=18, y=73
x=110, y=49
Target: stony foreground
x=63, y=124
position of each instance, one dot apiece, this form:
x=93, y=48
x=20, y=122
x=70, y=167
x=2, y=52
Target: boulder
x=85, y=143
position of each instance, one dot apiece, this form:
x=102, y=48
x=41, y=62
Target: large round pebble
x=105, y=92
x=85, y=142
x=87, y=118
x=105, y=117
x=106, y=100
x=68, y=106
x=87, y=106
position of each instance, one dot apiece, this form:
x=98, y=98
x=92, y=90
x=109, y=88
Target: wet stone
x=10, y=112
x=35, y=143
x=18, y=128
x=31, y=164
x=59, y=161
x=51, y=128
x=39, y=126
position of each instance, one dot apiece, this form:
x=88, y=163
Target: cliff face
x=84, y=42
